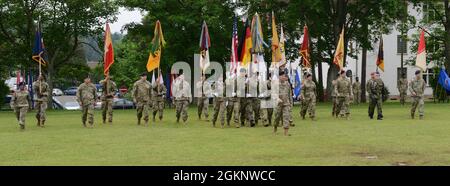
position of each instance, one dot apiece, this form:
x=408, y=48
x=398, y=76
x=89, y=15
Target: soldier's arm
x=12, y=103
x=78, y=95
x=95, y=93
x=133, y=92
x=411, y=89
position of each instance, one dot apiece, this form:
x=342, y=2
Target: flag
x=234, y=48
x=258, y=46
x=205, y=44
x=39, y=52
x=444, y=80
x=282, y=47
x=339, y=54
x=153, y=77
x=246, y=47
x=158, y=43
x=304, y=50
x=109, y=51
x=276, y=54
x=380, y=58
x=161, y=79
x=298, y=83
x=421, y=60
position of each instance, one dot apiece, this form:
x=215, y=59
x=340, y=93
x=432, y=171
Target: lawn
x=397, y=140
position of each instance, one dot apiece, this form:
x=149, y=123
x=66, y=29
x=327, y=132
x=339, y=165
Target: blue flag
x=298, y=83
x=444, y=80
x=39, y=53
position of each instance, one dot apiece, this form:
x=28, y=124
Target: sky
x=124, y=18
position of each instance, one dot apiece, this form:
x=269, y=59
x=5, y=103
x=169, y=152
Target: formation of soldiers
x=244, y=99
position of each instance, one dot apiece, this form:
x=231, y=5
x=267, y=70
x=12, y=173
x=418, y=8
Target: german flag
x=380, y=58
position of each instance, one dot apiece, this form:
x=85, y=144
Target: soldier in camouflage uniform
x=253, y=100
x=283, y=103
x=334, y=98
x=417, y=89
x=219, y=102
x=203, y=91
x=87, y=98
x=141, y=94
x=183, y=97
x=159, y=91
x=20, y=103
x=42, y=90
x=267, y=103
x=233, y=106
x=375, y=88
x=402, y=86
x=344, y=94
x=356, y=91
x=309, y=98
x=109, y=89
x=246, y=105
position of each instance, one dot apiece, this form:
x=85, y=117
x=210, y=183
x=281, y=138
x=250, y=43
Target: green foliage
x=4, y=90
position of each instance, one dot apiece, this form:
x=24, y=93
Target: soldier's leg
x=90, y=114
x=334, y=100
x=371, y=108
x=110, y=110
x=421, y=105
x=380, y=108
x=161, y=110
x=199, y=107
x=84, y=114
x=145, y=112
x=23, y=113
x=17, y=113
x=185, y=105
x=286, y=116
x=104, y=110
x=38, y=113
x=264, y=117
x=304, y=107
x=222, y=113
x=43, y=112
x=312, y=108
x=155, y=110
x=250, y=114
x=242, y=111
x=216, y=112
x=206, y=108
x=139, y=109
x=347, y=106
x=229, y=112
x=415, y=102
x=340, y=102
x=178, y=110
x=256, y=110
x=269, y=115
x=236, y=113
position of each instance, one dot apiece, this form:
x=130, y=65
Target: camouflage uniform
x=246, y=105
x=203, y=91
x=402, y=86
x=87, y=97
x=267, y=103
x=182, y=91
x=334, y=99
x=42, y=90
x=20, y=103
x=417, y=89
x=158, y=96
x=233, y=101
x=375, y=89
x=141, y=96
x=309, y=99
x=283, y=104
x=255, y=102
x=343, y=90
x=356, y=92
x=219, y=103
x=109, y=88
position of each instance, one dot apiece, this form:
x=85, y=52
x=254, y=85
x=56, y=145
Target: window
x=427, y=75
x=401, y=45
x=428, y=12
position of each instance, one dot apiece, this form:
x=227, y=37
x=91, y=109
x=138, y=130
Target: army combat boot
x=43, y=123
x=38, y=123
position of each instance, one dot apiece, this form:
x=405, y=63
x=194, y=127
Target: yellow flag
x=157, y=44
x=339, y=54
x=153, y=61
x=276, y=53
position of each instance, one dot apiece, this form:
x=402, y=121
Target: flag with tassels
x=108, y=57
x=205, y=44
x=158, y=43
x=339, y=54
x=304, y=50
x=380, y=58
x=421, y=60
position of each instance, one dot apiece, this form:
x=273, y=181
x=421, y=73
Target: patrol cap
x=417, y=72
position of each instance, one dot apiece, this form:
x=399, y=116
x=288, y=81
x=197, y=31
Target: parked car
x=71, y=91
x=123, y=104
x=57, y=92
x=72, y=105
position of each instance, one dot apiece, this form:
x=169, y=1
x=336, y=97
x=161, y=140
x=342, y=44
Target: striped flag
x=339, y=54
x=234, y=49
x=421, y=60
x=380, y=58
x=246, y=47
x=109, y=51
x=205, y=44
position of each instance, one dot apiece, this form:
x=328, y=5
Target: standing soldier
x=247, y=112
x=283, y=103
x=267, y=102
x=202, y=97
x=87, y=98
x=417, y=89
x=20, y=103
x=253, y=100
x=344, y=94
x=183, y=97
x=141, y=97
x=233, y=101
x=375, y=88
x=334, y=99
x=309, y=98
x=109, y=88
x=357, y=91
x=159, y=91
x=219, y=102
x=41, y=88
x=402, y=86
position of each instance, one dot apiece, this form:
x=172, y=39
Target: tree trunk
x=447, y=35
x=363, y=74
x=320, y=87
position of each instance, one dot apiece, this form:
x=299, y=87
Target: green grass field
x=397, y=140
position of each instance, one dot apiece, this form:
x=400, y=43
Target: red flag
x=421, y=60
x=304, y=50
x=109, y=51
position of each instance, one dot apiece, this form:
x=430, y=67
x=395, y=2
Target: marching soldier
x=41, y=88
x=334, y=99
x=309, y=98
x=87, y=98
x=252, y=99
x=183, y=97
x=283, y=103
x=375, y=88
x=203, y=91
x=417, y=89
x=109, y=88
x=356, y=91
x=246, y=105
x=159, y=91
x=402, y=86
x=344, y=94
x=267, y=102
x=141, y=97
x=219, y=102
x=20, y=103
x=233, y=106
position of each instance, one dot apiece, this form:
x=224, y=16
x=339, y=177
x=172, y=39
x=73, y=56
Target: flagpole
x=40, y=58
